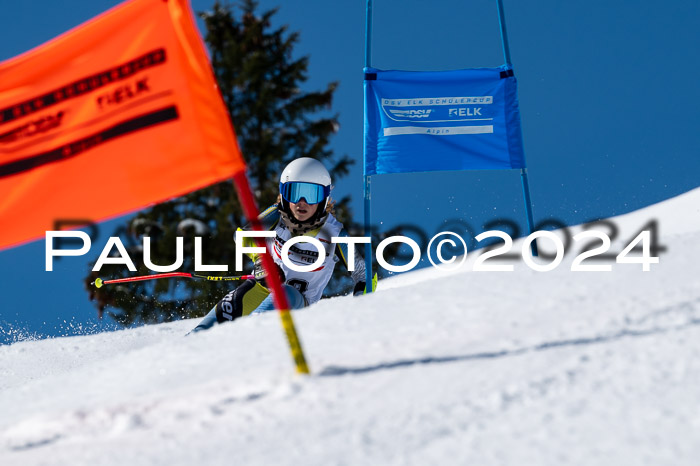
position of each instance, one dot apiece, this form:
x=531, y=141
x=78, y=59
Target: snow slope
x=464, y=367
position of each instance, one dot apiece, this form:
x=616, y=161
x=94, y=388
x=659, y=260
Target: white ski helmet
x=305, y=178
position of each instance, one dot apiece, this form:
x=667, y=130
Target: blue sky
x=608, y=100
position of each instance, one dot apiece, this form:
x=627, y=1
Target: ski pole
x=212, y=278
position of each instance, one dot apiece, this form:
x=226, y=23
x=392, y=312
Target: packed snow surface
x=461, y=367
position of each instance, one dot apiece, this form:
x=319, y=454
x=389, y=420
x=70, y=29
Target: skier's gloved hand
x=259, y=271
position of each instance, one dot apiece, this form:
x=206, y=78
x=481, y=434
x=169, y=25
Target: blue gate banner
x=419, y=121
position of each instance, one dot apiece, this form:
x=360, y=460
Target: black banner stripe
x=93, y=122
x=83, y=86
x=74, y=148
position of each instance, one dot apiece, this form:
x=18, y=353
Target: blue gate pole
x=523, y=171
x=504, y=33
x=528, y=208
x=366, y=178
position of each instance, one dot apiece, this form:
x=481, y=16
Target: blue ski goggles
x=294, y=191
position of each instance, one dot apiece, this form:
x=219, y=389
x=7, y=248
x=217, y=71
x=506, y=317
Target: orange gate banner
x=116, y=114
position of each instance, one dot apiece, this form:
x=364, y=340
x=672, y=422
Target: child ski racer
x=304, y=208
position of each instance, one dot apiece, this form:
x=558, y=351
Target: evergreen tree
x=275, y=122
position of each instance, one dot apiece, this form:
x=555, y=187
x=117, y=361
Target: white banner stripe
x=438, y=131
x=430, y=101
